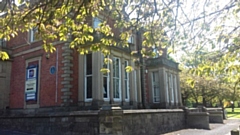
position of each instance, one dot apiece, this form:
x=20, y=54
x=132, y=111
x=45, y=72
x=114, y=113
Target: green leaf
x=4, y=55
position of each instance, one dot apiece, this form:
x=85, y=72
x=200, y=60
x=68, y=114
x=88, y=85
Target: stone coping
x=85, y=113
x=53, y=114
x=214, y=109
x=215, y=112
x=152, y=111
x=198, y=113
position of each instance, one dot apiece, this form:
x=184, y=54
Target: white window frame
x=85, y=79
x=32, y=32
x=117, y=78
x=108, y=80
x=126, y=81
x=155, y=87
x=131, y=39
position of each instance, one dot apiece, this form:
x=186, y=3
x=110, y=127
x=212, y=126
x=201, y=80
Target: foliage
x=4, y=55
x=207, y=85
x=207, y=31
x=235, y=114
x=70, y=21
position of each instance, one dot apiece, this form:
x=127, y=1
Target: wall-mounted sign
x=31, y=73
x=31, y=96
x=52, y=70
x=31, y=83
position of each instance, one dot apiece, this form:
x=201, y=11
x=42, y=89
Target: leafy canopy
x=71, y=21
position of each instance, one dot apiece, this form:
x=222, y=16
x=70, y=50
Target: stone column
x=110, y=120
x=122, y=68
x=162, y=87
x=66, y=76
x=5, y=76
x=81, y=80
x=97, y=78
x=111, y=81
x=175, y=89
x=179, y=90
x=138, y=86
x=132, y=96
x=166, y=89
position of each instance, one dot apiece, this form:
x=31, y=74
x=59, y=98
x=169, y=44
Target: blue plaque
x=52, y=70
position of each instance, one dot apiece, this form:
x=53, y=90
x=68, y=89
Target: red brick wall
x=47, y=82
x=17, y=83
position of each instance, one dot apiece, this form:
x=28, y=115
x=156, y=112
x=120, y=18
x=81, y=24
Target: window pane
x=126, y=81
x=89, y=64
x=175, y=87
x=96, y=22
x=155, y=87
x=116, y=65
x=105, y=87
x=105, y=79
x=167, y=94
x=116, y=88
x=116, y=78
x=2, y=43
x=126, y=88
x=89, y=87
x=126, y=73
x=33, y=34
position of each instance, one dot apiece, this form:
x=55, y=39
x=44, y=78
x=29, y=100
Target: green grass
x=235, y=114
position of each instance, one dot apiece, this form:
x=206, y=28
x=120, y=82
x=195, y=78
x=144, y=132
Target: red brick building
x=36, y=79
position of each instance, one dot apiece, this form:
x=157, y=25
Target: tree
x=68, y=20
x=178, y=25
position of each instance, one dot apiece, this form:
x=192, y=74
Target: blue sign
x=31, y=83
x=52, y=70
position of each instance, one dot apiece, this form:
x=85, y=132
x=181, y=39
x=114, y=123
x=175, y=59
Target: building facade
x=34, y=78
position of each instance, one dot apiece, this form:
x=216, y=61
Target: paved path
x=216, y=129
x=7, y=132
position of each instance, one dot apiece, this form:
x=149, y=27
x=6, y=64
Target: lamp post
x=232, y=105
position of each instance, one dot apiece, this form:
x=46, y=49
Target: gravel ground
x=216, y=129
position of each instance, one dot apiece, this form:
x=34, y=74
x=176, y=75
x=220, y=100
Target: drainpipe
x=142, y=72
x=142, y=82
x=56, y=92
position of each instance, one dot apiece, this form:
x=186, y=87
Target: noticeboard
x=31, y=83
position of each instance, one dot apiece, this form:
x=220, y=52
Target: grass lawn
x=235, y=114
